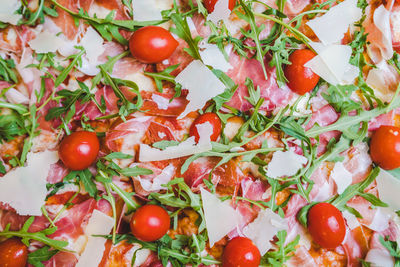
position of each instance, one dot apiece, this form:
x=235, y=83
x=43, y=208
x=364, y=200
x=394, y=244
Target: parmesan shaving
x=24, y=188
x=93, y=44
x=46, y=42
x=147, y=10
x=162, y=102
x=7, y=11
x=263, y=229
x=285, y=163
x=342, y=177
x=221, y=11
x=389, y=188
x=379, y=258
x=212, y=56
x=202, y=85
x=186, y=148
x=220, y=217
x=157, y=183
x=331, y=27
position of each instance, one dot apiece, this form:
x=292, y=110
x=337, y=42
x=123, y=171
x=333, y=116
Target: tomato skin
x=150, y=223
x=300, y=79
x=385, y=147
x=326, y=225
x=79, y=150
x=241, y=252
x=152, y=44
x=213, y=119
x=13, y=253
x=210, y=4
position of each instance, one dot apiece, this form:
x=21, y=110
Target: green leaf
x=86, y=178
x=43, y=254
x=278, y=257
x=76, y=59
x=117, y=155
x=135, y=171
x=393, y=248
x=164, y=144
x=302, y=215
x=7, y=71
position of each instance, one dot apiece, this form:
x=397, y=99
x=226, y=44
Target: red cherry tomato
x=301, y=79
x=241, y=252
x=150, y=223
x=326, y=225
x=13, y=253
x=210, y=4
x=79, y=150
x=385, y=147
x=152, y=44
x=213, y=119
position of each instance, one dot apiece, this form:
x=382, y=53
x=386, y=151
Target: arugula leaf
x=7, y=72
x=164, y=75
x=40, y=236
x=393, y=248
x=76, y=59
x=86, y=177
x=28, y=142
x=278, y=257
x=43, y=254
x=164, y=144
x=31, y=18
x=183, y=31
x=12, y=125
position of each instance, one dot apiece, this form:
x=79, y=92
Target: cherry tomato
x=213, y=119
x=210, y=4
x=241, y=252
x=385, y=147
x=79, y=150
x=152, y=44
x=13, y=253
x=301, y=79
x=150, y=223
x=326, y=225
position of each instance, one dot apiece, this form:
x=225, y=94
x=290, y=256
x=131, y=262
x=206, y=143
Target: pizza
x=199, y=133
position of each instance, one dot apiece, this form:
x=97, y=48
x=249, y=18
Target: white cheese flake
x=185, y=148
x=342, y=177
x=157, y=183
x=221, y=11
x=92, y=42
x=212, y=56
x=331, y=27
x=202, y=85
x=380, y=222
x=7, y=11
x=99, y=224
x=379, y=257
x=389, y=188
x=24, y=188
x=263, y=229
x=162, y=102
x=332, y=64
x=285, y=163
x=46, y=42
x=147, y=10
x=220, y=217
x=351, y=219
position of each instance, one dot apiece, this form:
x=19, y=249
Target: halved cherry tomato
x=213, y=119
x=152, y=44
x=241, y=252
x=79, y=150
x=385, y=147
x=326, y=225
x=150, y=223
x=301, y=79
x=13, y=253
x=210, y=4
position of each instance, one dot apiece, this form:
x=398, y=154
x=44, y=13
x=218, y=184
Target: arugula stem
x=132, y=205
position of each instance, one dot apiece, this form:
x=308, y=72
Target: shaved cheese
x=146, y=10
x=24, y=188
x=220, y=217
x=212, y=56
x=389, y=188
x=379, y=257
x=380, y=221
x=342, y=177
x=382, y=23
x=285, y=163
x=98, y=10
x=157, y=183
x=7, y=11
x=16, y=97
x=221, y=11
x=141, y=255
x=331, y=27
x=201, y=83
x=46, y=42
x=263, y=229
x=351, y=220
x=323, y=193
x=186, y=148
x=377, y=80
x=332, y=64
x=99, y=224
x=162, y=102
x=93, y=44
